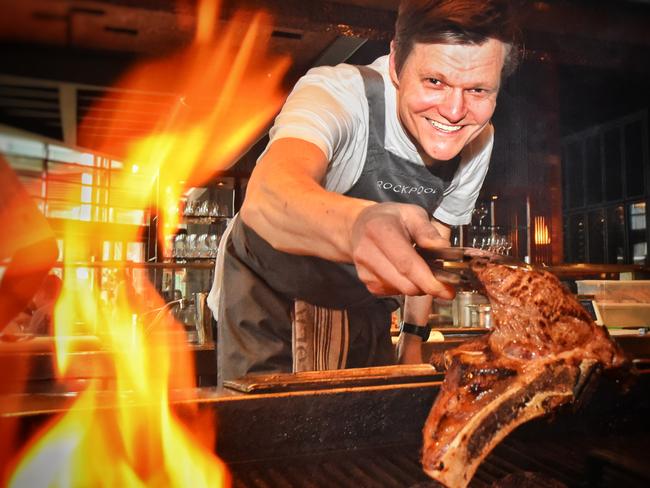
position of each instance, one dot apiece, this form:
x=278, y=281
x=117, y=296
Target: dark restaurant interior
x=568, y=191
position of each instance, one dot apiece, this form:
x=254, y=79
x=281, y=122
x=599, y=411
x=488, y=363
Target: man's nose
x=453, y=108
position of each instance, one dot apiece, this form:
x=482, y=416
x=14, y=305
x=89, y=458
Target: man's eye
x=480, y=91
x=434, y=81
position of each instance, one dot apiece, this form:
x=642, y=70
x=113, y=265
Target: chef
x=363, y=162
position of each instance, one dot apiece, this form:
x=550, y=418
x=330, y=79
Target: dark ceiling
x=60, y=57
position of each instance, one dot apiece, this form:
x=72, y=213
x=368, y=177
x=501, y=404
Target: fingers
x=382, y=278
x=423, y=232
x=407, y=263
x=428, y=238
x=383, y=251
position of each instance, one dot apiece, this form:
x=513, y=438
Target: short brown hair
x=455, y=22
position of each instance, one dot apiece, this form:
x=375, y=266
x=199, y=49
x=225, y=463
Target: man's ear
x=391, y=65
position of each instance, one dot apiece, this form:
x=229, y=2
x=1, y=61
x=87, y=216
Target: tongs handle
x=454, y=272
x=453, y=265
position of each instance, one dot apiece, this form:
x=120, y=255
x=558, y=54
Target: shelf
x=582, y=269
x=197, y=263
x=191, y=219
x=189, y=260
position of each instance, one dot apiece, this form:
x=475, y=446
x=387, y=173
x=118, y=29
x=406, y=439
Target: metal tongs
x=454, y=265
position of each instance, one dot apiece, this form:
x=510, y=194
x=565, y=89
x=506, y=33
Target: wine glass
x=180, y=246
x=203, y=209
x=202, y=250
x=213, y=209
x=481, y=212
x=485, y=243
x=191, y=246
x=213, y=245
x=190, y=208
x=507, y=247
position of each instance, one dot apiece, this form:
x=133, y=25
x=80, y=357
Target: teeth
x=446, y=128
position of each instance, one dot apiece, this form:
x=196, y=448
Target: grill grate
x=378, y=468
x=572, y=463
x=604, y=444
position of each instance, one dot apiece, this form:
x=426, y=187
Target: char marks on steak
x=542, y=351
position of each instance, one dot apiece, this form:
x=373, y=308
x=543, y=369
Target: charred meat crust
x=543, y=351
x=554, y=379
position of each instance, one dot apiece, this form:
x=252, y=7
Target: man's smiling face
x=446, y=94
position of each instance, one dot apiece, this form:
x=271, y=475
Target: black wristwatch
x=422, y=331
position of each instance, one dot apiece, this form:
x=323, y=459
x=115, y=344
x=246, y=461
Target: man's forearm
x=293, y=212
x=417, y=309
x=416, y=312
x=286, y=205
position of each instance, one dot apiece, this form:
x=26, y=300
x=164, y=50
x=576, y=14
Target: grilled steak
x=542, y=352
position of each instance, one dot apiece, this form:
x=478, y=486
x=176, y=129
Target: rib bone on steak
x=543, y=349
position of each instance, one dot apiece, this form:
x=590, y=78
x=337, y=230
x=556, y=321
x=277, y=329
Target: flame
x=122, y=431
x=542, y=235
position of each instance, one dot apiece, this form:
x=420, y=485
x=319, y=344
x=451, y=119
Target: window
x=637, y=216
x=638, y=235
x=616, y=235
x=605, y=194
x=72, y=184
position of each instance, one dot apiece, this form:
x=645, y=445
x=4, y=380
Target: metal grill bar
x=338, y=475
x=399, y=467
x=382, y=468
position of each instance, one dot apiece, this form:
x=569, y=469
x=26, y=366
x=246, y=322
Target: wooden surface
x=344, y=378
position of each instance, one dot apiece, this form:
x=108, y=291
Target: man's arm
x=416, y=312
x=287, y=205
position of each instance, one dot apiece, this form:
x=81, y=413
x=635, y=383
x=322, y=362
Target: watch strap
x=422, y=331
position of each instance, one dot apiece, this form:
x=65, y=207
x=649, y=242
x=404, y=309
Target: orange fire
x=542, y=235
x=121, y=430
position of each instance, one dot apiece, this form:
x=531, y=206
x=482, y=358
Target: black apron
x=260, y=284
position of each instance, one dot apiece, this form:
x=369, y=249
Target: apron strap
x=320, y=338
x=373, y=85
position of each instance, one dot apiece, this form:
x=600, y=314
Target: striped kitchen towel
x=320, y=338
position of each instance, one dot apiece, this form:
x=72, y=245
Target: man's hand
x=382, y=238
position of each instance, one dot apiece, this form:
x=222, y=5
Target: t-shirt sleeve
x=459, y=199
x=323, y=108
